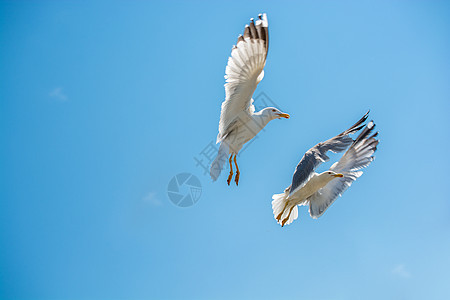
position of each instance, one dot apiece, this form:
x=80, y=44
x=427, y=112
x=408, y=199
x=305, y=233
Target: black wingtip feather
x=247, y=33
x=253, y=31
x=258, y=32
x=356, y=127
x=365, y=132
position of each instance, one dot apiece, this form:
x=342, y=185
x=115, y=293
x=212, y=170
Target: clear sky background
x=102, y=103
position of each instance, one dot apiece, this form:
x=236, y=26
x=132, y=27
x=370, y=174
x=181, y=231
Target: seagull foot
x=229, y=178
x=288, y=216
x=279, y=216
x=236, y=179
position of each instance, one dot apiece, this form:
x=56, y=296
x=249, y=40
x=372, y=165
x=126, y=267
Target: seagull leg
x=287, y=218
x=236, y=179
x=281, y=213
x=231, y=170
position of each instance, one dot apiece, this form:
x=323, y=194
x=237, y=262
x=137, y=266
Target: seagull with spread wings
x=319, y=191
x=239, y=122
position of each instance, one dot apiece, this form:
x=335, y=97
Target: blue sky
x=102, y=103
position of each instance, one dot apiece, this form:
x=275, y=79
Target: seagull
x=239, y=122
x=320, y=190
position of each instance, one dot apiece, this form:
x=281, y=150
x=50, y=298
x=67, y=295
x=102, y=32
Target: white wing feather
x=243, y=73
x=358, y=156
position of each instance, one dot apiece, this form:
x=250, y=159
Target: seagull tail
x=284, y=212
x=219, y=161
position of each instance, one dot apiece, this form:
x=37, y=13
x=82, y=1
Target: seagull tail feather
x=284, y=212
x=219, y=161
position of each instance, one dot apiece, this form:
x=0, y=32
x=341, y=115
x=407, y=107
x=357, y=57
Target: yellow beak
x=287, y=116
x=338, y=175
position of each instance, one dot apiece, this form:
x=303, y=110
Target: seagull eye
x=273, y=110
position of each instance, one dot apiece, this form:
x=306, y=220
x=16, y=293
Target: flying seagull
x=239, y=122
x=320, y=190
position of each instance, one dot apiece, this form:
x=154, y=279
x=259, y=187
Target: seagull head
x=332, y=175
x=275, y=113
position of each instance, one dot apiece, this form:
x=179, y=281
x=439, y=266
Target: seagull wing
x=245, y=69
x=318, y=154
x=358, y=156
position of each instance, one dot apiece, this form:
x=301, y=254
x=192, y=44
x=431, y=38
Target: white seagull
x=320, y=190
x=239, y=122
